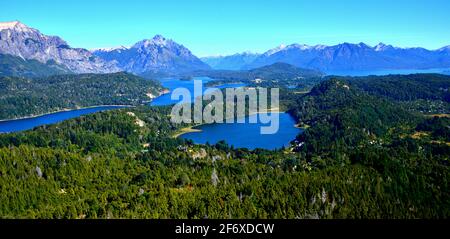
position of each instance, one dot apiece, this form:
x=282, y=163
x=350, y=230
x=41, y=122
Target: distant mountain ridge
x=159, y=56
x=232, y=62
x=347, y=56
x=153, y=55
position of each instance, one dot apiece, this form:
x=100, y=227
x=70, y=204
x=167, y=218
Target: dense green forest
x=406, y=87
x=362, y=155
x=21, y=97
x=16, y=66
x=424, y=93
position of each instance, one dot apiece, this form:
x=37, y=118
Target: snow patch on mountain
x=275, y=50
x=109, y=49
x=15, y=25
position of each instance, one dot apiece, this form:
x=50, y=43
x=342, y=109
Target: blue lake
x=29, y=123
x=240, y=135
x=445, y=71
x=53, y=118
x=172, y=84
x=247, y=135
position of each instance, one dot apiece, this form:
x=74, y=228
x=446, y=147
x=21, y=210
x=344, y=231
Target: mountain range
x=24, y=48
x=19, y=40
x=347, y=57
x=152, y=56
x=232, y=62
x=156, y=55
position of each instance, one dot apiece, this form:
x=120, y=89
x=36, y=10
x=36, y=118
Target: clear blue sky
x=209, y=27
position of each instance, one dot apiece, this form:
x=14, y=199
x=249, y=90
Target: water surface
x=247, y=135
x=52, y=118
x=173, y=83
x=389, y=72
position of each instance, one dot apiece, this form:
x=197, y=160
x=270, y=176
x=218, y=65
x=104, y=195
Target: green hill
x=16, y=66
x=30, y=96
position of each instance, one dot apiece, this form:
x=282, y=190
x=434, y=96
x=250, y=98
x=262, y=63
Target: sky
x=210, y=27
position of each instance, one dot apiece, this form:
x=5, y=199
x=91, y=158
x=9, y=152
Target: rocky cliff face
x=153, y=55
x=20, y=40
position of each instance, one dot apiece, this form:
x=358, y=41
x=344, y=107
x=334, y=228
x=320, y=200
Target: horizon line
x=282, y=45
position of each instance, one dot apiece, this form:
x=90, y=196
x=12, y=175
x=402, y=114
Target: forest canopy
x=362, y=155
x=21, y=97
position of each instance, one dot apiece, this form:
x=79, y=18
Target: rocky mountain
x=160, y=56
x=19, y=40
x=348, y=56
x=156, y=55
x=232, y=62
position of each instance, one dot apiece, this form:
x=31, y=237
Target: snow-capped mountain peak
x=302, y=47
x=109, y=49
x=157, y=54
x=157, y=40
x=275, y=50
x=15, y=25
x=382, y=47
x=350, y=56
x=299, y=46
x=320, y=47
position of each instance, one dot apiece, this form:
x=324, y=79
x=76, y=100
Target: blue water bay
x=174, y=83
x=8, y=126
x=247, y=135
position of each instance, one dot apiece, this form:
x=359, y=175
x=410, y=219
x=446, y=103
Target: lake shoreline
x=245, y=135
x=65, y=110
x=185, y=130
x=223, y=83
x=191, y=129
x=162, y=92
x=304, y=127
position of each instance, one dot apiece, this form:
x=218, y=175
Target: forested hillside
x=274, y=75
x=407, y=87
x=21, y=97
x=16, y=66
x=422, y=93
x=360, y=156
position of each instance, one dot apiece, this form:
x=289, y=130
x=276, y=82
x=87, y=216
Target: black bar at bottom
x=222, y=228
